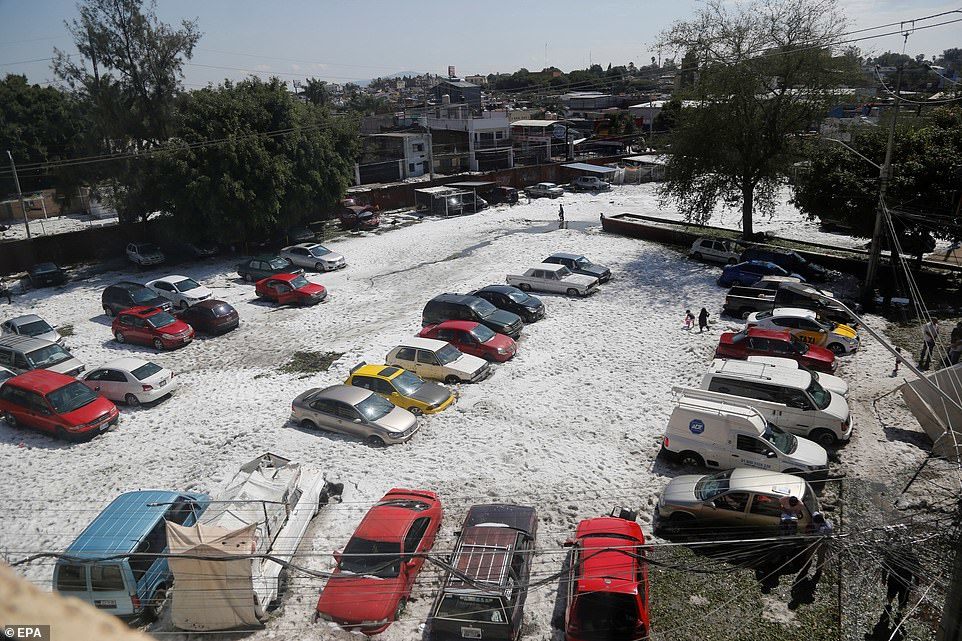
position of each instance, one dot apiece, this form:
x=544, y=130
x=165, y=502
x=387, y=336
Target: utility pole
x=16, y=181
x=950, y=627
x=427, y=127
x=885, y=174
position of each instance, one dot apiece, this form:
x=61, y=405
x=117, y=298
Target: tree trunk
x=748, y=196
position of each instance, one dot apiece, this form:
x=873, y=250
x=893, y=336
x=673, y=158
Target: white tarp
x=939, y=419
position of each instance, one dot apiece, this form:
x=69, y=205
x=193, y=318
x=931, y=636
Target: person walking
x=689, y=319
x=955, y=349
x=930, y=333
x=900, y=569
x=702, y=320
x=561, y=216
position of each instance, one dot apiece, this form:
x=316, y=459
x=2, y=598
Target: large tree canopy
x=764, y=74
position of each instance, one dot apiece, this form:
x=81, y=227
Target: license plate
x=104, y=603
x=187, y=339
x=471, y=633
x=162, y=383
x=103, y=427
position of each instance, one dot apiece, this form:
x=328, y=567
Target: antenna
x=546, y=55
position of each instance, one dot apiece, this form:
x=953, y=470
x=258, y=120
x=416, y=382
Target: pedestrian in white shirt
x=930, y=333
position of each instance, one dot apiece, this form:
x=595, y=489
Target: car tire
x=131, y=400
x=399, y=610
x=319, y=267
x=525, y=287
x=158, y=345
x=573, y=292
x=119, y=337
x=308, y=424
x=109, y=312
x=825, y=438
x=691, y=459
x=679, y=524
x=375, y=441
x=745, y=312
x=10, y=420
x=837, y=348
x=183, y=305
x=151, y=611
x=417, y=411
x=452, y=379
x=698, y=256
x=283, y=584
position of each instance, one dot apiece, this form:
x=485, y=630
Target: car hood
x=502, y=317
x=500, y=341
x=845, y=332
x=467, y=364
x=596, y=270
x=311, y=290
x=833, y=384
x=838, y=407
x=681, y=490
x=330, y=257
x=397, y=420
x=198, y=292
x=809, y=453
x=65, y=366
x=51, y=336
x=432, y=394
x=89, y=412
x=174, y=328
x=349, y=598
x=580, y=279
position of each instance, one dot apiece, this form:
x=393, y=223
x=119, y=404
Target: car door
x=17, y=403
x=811, y=332
x=6, y=359
x=727, y=508
x=764, y=511
x=142, y=331
x=350, y=420
x=415, y=541
x=323, y=413
x=281, y=291
x=114, y=382
x=798, y=414
x=41, y=414
x=165, y=290
x=406, y=358
x=125, y=323
x=428, y=365
x=752, y=451
x=95, y=381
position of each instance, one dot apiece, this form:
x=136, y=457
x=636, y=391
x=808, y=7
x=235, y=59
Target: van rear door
x=102, y=585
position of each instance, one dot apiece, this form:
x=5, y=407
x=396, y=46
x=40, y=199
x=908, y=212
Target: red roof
x=42, y=381
x=284, y=277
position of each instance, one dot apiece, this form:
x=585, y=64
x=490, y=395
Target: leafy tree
x=762, y=79
x=281, y=160
x=316, y=92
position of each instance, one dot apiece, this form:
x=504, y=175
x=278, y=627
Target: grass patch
x=908, y=336
x=65, y=330
x=310, y=362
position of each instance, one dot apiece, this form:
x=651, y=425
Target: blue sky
x=357, y=39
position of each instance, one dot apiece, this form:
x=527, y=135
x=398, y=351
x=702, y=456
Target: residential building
x=458, y=92
x=469, y=140
x=536, y=141
x=392, y=156
x=479, y=80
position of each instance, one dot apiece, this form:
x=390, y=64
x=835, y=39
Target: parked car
x=354, y=411
x=126, y=294
x=403, y=388
x=501, y=195
x=6, y=374
x=179, y=290
x=788, y=260
x=25, y=353
x=805, y=325
x=151, y=326
x=485, y=599
x=117, y=564
x=144, y=254
x=744, y=500
x=747, y=273
x=550, y=190
x=198, y=248
x=377, y=569
x=578, y=264
x=445, y=307
x=511, y=299
x=473, y=338
x=290, y=289
x=716, y=250
x=607, y=581
x=56, y=404
x=756, y=341
x=46, y=275
x=212, y=317
x=829, y=382
x=314, y=256
x=706, y=429
x=130, y=380
x=438, y=360
x=589, y=183
x=553, y=278
x=260, y=267
x=34, y=326
x=768, y=293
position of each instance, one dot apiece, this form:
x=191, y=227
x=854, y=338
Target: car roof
x=458, y=324
x=211, y=303
x=266, y=257
x=172, y=278
x=344, y=393
x=26, y=343
x=127, y=284
x=750, y=479
x=717, y=406
x=305, y=245
x=794, y=312
x=42, y=381
x=549, y=267
x=142, y=310
x=609, y=570
x=483, y=555
x=378, y=370
x=424, y=343
x=449, y=297
x=286, y=277
x=795, y=378
x=566, y=255
x=123, y=524
x=501, y=289
x=23, y=320
x=762, y=332
x=386, y=522
x=127, y=364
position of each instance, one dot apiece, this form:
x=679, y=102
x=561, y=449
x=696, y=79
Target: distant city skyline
x=356, y=41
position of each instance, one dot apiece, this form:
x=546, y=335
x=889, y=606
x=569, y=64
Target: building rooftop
x=534, y=123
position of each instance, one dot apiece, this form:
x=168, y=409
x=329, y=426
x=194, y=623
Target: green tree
x=764, y=75
x=316, y=92
x=281, y=160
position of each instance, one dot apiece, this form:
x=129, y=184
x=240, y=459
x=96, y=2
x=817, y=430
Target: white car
x=313, y=256
x=717, y=250
x=131, y=380
x=179, y=290
x=144, y=254
x=549, y=277
x=438, y=360
x=805, y=325
x=550, y=190
x=589, y=183
x=32, y=325
x=827, y=381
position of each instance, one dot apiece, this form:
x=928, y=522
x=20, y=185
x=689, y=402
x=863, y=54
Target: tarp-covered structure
x=939, y=418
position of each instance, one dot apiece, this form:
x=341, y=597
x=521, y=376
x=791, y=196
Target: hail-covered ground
x=572, y=425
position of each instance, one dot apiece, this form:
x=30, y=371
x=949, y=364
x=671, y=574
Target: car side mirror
x=568, y=543
x=771, y=455
x=357, y=420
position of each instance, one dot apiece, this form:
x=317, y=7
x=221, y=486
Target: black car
x=512, y=299
x=789, y=260
x=580, y=265
x=126, y=294
x=46, y=275
x=258, y=267
x=471, y=308
x=211, y=316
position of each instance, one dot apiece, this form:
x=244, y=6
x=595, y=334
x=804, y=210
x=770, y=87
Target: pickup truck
x=589, y=183
x=742, y=301
x=548, y=277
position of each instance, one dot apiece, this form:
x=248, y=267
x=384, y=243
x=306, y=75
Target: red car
x=473, y=338
x=756, y=341
x=151, y=326
x=607, y=582
x=374, y=574
x=57, y=404
x=290, y=289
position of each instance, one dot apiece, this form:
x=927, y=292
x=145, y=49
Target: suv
x=126, y=294
x=260, y=267
x=589, y=183
x=32, y=325
x=493, y=557
x=578, y=264
x=56, y=404
x=788, y=260
x=144, y=254
x=719, y=250
x=24, y=353
x=749, y=272
x=471, y=308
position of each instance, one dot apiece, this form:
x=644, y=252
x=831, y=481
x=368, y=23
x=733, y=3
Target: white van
x=723, y=433
x=829, y=382
x=791, y=399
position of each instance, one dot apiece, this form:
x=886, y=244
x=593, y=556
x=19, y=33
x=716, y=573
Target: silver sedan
x=355, y=411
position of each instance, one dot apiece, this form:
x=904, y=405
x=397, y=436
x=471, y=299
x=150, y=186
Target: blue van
x=133, y=524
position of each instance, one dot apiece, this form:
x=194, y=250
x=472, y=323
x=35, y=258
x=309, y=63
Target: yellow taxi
x=403, y=388
x=805, y=325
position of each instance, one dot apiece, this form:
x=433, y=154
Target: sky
x=345, y=41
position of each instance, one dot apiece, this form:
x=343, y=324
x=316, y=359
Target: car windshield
x=564, y=272
x=739, y=337
x=712, y=485
x=518, y=296
x=142, y=295
x=819, y=394
x=606, y=615
x=485, y=609
x=373, y=558
x=448, y=354
x=146, y=371
x=186, y=285
x=299, y=282
x=278, y=263
x=162, y=319
x=482, y=333
x=763, y=315
x=44, y=268
x=583, y=263
x=482, y=307
x=70, y=397
x=35, y=328
x=407, y=383
x=320, y=250
x=783, y=441
x=374, y=407
x=47, y=356
x=222, y=310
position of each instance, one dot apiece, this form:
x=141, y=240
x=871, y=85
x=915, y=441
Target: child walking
x=689, y=319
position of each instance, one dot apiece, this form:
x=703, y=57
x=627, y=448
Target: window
x=411, y=166
x=447, y=335
x=180, y=511
x=405, y=354
x=381, y=386
x=126, y=320
x=499, y=135
x=426, y=357
x=6, y=357
x=795, y=398
x=365, y=382
x=418, y=147
x=153, y=543
x=106, y=578
x=144, y=371
x=415, y=534
x=734, y=502
x=324, y=405
x=72, y=578
x=164, y=286
x=114, y=376
x=14, y=395
x=346, y=412
x=96, y=375
x=766, y=506
x=753, y=445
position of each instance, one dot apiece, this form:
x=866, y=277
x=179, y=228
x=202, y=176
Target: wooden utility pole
x=16, y=181
x=950, y=627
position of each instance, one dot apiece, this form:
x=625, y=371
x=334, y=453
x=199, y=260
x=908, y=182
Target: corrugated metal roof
x=122, y=524
x=593, y=169
x=534, y=123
